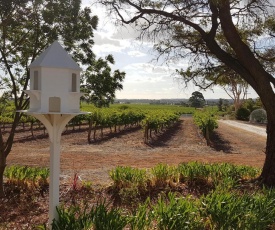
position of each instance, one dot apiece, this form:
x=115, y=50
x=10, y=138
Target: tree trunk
x=32, y=129
x=268, y=173
x=207, y=136
x=95, y=127
x=5, y=148
x=2, y=169
x=261, y=81
x=90, y=130
x=146, y=135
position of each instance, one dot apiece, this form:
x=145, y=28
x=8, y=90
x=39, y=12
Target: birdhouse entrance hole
x=54, y=104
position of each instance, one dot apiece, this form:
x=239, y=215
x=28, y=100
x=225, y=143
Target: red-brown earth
x=182, y=143
x=92, y=162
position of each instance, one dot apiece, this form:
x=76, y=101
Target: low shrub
x=129, y=184
x=216, y=210
x=225, y=205
x=127, y=176
x=177, y=213
x=27, y=177
x=142, y=217
x=242, y=114
x=229, y=210
x=99, y=216
x=163, y=175
x=193, y=173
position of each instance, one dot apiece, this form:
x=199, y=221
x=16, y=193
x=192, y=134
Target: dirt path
x=181, y=144
x=260, y=130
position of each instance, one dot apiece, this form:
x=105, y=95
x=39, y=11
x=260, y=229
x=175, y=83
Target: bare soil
x=92, y=162
x=182, y=143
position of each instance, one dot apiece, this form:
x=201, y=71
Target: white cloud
x=145, y=79
x=100, y=39
x=136, y=53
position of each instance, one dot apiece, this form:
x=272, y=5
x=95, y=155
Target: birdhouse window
x=74, y=82
x=35, y=80
x=54, y=104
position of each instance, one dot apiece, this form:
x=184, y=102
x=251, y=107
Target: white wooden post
x=55, y=124
x=54, y=169
x=54, y=178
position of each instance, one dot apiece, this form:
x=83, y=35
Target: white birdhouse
x=54, y=100
x=54, y=82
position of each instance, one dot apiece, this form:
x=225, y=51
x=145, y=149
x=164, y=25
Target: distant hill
x=172, y=101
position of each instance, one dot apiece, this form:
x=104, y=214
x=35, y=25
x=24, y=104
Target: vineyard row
x=152, y=121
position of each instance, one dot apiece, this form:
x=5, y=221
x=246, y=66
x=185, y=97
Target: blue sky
x=145, y=78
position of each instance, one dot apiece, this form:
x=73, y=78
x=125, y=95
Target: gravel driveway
x=248, y=127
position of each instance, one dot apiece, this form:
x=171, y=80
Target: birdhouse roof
x=56, y=57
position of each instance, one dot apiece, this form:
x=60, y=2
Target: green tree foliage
x=223, y=105
x=259, y=103
x=251, y=104
x=27, y=27
x=100, y=83
x=242, y=114
x=212, y=33
x=4, y=101
x=197, y=100
x=234, y=86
